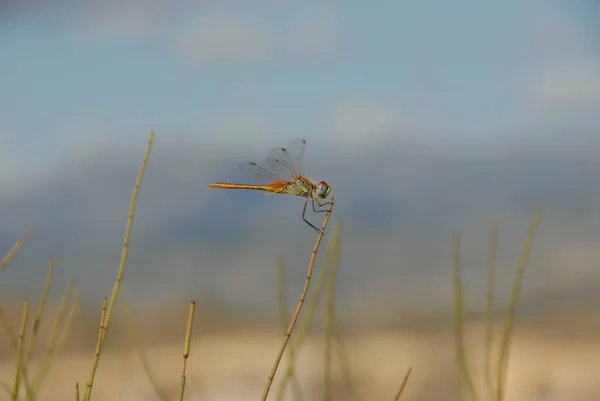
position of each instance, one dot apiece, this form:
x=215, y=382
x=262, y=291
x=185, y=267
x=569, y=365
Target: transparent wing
x=282, y=164
x=295, y=152
x=288, y=162
x=258, y=174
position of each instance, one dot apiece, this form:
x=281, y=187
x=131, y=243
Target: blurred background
x=424, y=117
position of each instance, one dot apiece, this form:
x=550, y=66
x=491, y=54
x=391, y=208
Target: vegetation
x=28, y=378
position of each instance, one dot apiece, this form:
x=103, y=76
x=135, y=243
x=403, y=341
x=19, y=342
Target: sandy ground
x=234, y=366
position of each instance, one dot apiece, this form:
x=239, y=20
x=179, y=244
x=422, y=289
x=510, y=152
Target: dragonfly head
x=323, y=190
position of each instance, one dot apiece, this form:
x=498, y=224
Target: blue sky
x=462, y=67
x=423, y=116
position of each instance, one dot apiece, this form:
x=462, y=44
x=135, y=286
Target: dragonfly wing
x=258, y=174
x=281, y=168
x=295, y=151
x=289, y=161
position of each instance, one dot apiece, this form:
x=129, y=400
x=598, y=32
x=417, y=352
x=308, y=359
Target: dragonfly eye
x=323, y=190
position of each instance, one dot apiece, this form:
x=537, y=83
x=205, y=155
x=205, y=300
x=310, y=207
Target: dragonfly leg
x=308, y=222
x=320, y=205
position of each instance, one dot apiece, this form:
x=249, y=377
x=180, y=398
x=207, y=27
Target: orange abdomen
x=275, y=187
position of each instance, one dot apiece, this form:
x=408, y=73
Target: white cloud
x=224, y=37
x=238, y=132
x=566, y=85
x=566, y=79
x=16, y=165
x=356, y=122
x=228, y=37
x=359, y=119
x=207, y=35
x=133, y=19
x=312, y=35
x=552, y=31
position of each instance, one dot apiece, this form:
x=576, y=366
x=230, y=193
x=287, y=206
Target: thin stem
x=20, y=341
x=403, y=385
x=512, y=304
x=46, y=361
x=186, y=348
x=40, y=312
x=292, y=324
x=128, y=226
x=330, y=312
x=12, y=252
x=282, y=301
x=461, y=352
x=489, y=314
x=344, y=362
x=124, y=252
x=137, y=343
x=90, y=382
x=304, y=325
x=36, y=326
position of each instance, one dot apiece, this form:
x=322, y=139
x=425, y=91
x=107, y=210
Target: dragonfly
x=283, y=173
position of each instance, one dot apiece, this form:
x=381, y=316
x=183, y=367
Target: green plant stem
x=292, y=324
x=512, y=304
x=461, y=353
x=186, y=349
x=489, y=312
x=19, y=361
x=330, y=312
x=120, y=273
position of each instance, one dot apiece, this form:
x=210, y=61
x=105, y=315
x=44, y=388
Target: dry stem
x=290, y=329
